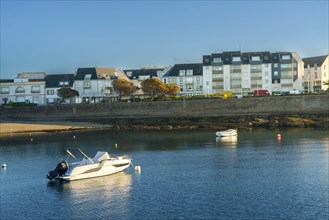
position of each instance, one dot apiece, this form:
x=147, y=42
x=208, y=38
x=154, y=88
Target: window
x=20, y=90
x=35, y=89
x=86, y=84
x=182, y=72
x=198, y=80
x=129, y=74
x=35, y=100
x=236, y=59
x=287, y=65
x=275, y=73
x=63, y=83
x=4, y=90
x=285, y=57
x=50, y=92
x=266, y=73
x=217, y=68
x=275, y=65
x=217, y=60
x=181, y=80
x=189, y=72
x=199, y=88
x=255, y=58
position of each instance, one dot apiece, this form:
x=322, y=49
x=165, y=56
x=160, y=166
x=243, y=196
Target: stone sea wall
x=275, y=111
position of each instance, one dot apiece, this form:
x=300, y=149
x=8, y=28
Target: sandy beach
x=44, y=126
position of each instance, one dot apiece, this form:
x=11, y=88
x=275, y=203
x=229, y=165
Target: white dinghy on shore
x=101, y=164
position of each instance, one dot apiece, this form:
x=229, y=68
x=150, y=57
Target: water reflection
x=227, y=141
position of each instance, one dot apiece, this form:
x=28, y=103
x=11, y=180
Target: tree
x=123, y=86
x=66, y=93
x=153, y=87
x=172, y=89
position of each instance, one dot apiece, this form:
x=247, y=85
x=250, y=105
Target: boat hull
x=227, y=133
x=95, y=170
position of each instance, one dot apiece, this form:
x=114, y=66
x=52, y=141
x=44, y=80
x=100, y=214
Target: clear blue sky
x=60, y=36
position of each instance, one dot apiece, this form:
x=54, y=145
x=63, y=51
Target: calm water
x=185, y=175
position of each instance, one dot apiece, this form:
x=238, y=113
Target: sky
x=60, y=36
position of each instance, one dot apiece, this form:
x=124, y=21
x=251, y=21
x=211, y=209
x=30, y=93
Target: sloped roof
x=314, y=60
x=196, y=67
x=95, y=73
x=53, y=80
x=136, y=73
x=6, y=80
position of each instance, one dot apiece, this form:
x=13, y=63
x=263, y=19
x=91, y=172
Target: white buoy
x=4, y=166
x=138, y=169
x=116, y=145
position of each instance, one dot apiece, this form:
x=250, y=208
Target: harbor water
x=184, y=175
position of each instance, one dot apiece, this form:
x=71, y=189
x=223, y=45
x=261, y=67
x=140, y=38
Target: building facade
x=55, y=82
x=316, y=73
x=243, y=73
x=189, y=78
x=95, y=84
x=28, y=87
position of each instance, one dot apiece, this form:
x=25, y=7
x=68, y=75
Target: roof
x=53, y=80
x=137, y=73
x=319, y=60
x=6, y=80
x=95, y=73
x=230, y=57
x=196, y=67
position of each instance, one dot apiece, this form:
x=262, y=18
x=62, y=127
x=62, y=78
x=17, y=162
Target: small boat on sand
x=101, y=164
x=227, y=133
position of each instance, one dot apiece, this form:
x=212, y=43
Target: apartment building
x=95, y=84
x=27, y=87
x=316, y=73
x=243, y=73
x=189, y=77
x=55, y=82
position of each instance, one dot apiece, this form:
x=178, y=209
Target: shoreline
x=25, y=127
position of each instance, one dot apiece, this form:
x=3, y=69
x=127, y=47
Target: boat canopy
x=100, y=156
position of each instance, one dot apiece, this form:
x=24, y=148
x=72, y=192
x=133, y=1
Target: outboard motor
x=61, y=169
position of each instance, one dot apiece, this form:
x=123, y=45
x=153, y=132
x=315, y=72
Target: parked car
x=262, y=92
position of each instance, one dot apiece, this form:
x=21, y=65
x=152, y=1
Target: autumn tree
x=172, y=89
x=153, y=87
x=66, y=93
x=123, y=86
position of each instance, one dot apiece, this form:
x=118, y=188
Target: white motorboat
x=227, y=133
x=101, y=164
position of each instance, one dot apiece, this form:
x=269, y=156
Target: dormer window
x=286, y=57
x=255, y=58
x=236, y=59
x=129, y=74
x=88, y=76
x=217, y=60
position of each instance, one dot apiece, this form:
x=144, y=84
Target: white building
x=95, y=84
x=316, y=73
x=189, y=78
x=28, y=87
x=243, y=73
